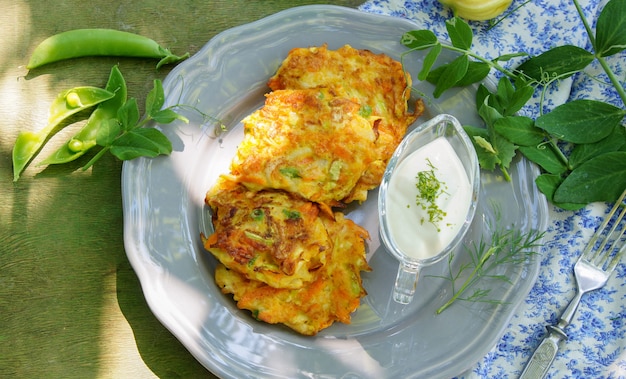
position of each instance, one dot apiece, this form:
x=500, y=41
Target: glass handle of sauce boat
x=406, y=281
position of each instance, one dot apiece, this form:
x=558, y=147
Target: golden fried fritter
x=332, y=296
x=376, y=81
x=323, y=138
x=270, y=235
x=313, y=143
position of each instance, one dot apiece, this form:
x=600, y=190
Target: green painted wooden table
x=70, y=304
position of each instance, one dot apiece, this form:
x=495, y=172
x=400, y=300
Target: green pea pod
x=99, y=42
x=85, y=139
x=66, y=104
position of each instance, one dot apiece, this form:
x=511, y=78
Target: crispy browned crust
x=332, y=296
x=322, y=139
x=270, y=236
x=313, y=143
x=376, y=81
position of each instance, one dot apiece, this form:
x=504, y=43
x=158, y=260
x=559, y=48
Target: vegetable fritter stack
x=322, y=139
x=375, y=81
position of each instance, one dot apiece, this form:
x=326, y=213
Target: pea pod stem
x=66, y=104
x=99, y=42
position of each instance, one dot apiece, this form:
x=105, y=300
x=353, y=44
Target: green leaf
x=476, y=72
x=509, y=99
x=515, y=99
x=108, y=132
x=484, y=143
x=610, y=29
x=487, y=156
x=602, y=178
x=520, y=98
x=491, y=148
x=453, y=72
x=561, y=61
x=460, y=33
x=545, y=157
x=488, y=113
x=165, y=116
x=435, y=74
x=419, y=39
x=128, y=114
x=583, y=152
x=520, y=130
x=482, y=95
x=581, y=121
x=155, y=98
x=141, y=142
x=508, y=57
x=504, y=91
x=506, y=149
x=548, y=184
x=429, y=60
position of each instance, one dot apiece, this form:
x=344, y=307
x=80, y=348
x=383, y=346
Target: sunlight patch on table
x=117, y=342
x=22, y=15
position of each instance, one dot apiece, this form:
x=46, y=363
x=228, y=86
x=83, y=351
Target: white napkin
x=597, y=344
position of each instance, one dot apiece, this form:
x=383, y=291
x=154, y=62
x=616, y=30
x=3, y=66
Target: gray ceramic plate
x=164, y=216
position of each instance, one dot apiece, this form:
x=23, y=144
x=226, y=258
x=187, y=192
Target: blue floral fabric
x=597, y=335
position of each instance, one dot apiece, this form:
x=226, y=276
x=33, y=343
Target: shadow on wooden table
x=68, y=294
x=159, y=349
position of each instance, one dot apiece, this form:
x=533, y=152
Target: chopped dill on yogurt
x=429, y=188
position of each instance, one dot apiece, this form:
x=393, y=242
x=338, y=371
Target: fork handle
x=568, y=313
x=543, y=357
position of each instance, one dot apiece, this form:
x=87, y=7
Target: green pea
x=28, y=143
x=73, y=100
x=75, y=145
x=99, y=42
x=105, y=111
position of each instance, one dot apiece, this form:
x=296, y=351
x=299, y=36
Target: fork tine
x=601, y=255
x=611, y=266
x=608, y=256
x=615, y=225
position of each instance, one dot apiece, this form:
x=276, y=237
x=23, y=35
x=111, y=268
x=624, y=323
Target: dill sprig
x=506, y=247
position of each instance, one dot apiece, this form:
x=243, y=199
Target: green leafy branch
x=506, y=247
x=580, y=145
x=114, y=125
x=126, y=137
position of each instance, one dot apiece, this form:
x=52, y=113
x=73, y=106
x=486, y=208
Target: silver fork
x=592, y=270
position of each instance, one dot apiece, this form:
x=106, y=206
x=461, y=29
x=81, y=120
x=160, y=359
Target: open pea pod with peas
x=66, y=104
x=115, y=124
x=85, y=139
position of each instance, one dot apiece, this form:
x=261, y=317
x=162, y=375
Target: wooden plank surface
x=70, y=304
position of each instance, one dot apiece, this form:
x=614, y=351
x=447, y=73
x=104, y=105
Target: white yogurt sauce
x=408, y=223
